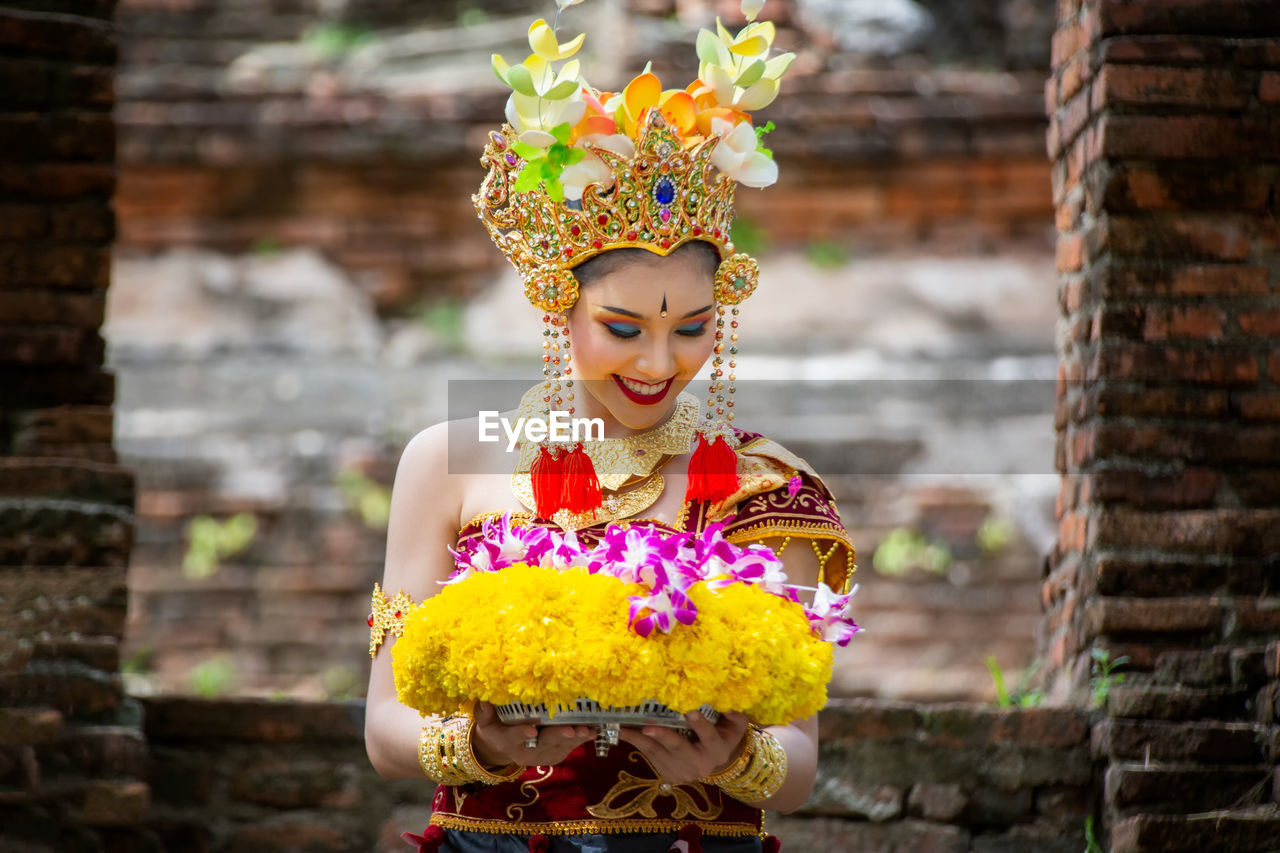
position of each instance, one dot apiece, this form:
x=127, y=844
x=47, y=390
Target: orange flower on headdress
x=645, y=93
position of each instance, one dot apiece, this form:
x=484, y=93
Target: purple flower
x=630, y=555
x=793, y=485
x=662, y=609
x=826, y=615
x=512, y=544
x=563, y=551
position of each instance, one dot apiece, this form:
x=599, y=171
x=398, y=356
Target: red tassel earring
x=713, y=467
x=561, y=477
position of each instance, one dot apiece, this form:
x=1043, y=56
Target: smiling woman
x=616, y=209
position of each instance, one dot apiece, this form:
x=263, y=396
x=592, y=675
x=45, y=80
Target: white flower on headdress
x=738, y=155
x=750, y=8
x=735, y=68
x=591, y=169
x=534, y=117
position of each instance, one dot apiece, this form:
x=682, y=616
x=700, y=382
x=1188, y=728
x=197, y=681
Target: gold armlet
x=758, y=773
x=386, y=617
x=446, y=756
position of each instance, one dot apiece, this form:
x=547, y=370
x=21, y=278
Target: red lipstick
x=643, y=399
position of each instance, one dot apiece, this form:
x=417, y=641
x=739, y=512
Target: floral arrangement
x=531, y=615
x=559, y=119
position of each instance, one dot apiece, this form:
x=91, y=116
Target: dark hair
x=594, y=269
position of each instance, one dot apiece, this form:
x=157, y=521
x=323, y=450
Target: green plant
x=1103, y=675
x=266, y=247
x=444, y=318
x=995, y=534
x=209, y=542
x=1022, y=696
x=138, y=663
x=213, y=677
x=903, y=549
x=471, y=17
x=339, y=682
x=750, y=237
x=331, y=41
x=1091, y=844
x=827, y=254
x=368, y=498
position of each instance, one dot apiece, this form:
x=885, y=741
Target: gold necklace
x=618, y=460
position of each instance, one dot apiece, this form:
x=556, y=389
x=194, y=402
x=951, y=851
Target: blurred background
x=299, y=272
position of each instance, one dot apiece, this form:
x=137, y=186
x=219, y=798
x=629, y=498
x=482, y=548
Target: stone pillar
x=1165, y=136
x=70, y=760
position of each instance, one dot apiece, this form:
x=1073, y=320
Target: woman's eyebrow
x=624, y=312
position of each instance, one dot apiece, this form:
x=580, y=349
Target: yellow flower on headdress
x=735, y=69
x=545, y=45
x=543, y=98
x=645, y=93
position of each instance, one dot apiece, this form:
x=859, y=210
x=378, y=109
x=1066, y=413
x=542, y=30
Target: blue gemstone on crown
x=664, y=191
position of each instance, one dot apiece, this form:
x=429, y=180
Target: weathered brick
x=1208, y=137
x=71, y=688
x=1191, y=185
x=63, y=266
x=57, y=180
x=1259, y=405
x=1194, y=668
x=23, y=221
x=115, y=803
x=1183, y=789
x=837, y=796
x=1238, y=832
x=28, y=725
x=287, y=833
x=1176, y=574
x=251, y=720
x=1157, y=741
x=1189, y=488
x=50, y=346
x=62, y=425
x=840, y=835
x=1112, y=615
x=936, y=802
x=90, y=222
x=43, y=387
x=1258, y=615
x=1273, y=660
x=297, y=783
x=1137, y=282
x=1144, y=86
x=1124, y=362
x=1244, y=18
x=1176, y=237
x=1121, y=401
x=1269, y=87
x=1150, y=702
x=1217, y=531
x=87, y=481
x=81, y=310
x=995, y=807
x=1070, y=252
x=1260, y=323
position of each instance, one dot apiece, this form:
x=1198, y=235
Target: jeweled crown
x=663, y=198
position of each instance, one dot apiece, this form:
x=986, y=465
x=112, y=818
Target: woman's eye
x=622, y=330
x=692, y=330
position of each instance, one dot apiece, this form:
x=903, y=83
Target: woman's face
x=629, y=361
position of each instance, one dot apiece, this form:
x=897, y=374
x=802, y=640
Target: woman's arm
x=680, y=760
x=426, y=504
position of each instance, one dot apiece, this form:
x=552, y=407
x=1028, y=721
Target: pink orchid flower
x=826, y=615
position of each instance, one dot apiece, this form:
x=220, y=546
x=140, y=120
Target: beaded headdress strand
x=576, y=172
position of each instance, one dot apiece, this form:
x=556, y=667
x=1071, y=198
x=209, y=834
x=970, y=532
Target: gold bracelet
x=446, y=755
x=761, y=775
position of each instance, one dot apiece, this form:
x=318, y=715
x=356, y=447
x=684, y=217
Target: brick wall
x=1165, y=131
x=70, y=757
x=267, y=776
x=379, y=174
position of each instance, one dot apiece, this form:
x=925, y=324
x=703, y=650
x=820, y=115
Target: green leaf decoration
x=562, y=132
x=527, y=151
x=521, y=80
x=562, y=90
x=529, y=178
x=751, y=74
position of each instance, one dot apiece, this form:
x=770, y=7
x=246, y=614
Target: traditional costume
x=575, y=173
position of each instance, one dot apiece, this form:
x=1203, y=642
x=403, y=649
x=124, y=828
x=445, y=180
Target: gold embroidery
x=603, y=827
x=529, y=787
x=614, y=507
x=638, y=795
x=386, y=616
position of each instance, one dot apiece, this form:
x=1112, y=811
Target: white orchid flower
x=738, y=155
x=591, y=169
x=750, y=8
x=736, y=69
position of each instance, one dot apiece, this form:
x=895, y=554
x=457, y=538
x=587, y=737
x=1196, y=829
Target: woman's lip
x=643, y=399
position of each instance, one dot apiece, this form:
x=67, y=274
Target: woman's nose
x=657, y=360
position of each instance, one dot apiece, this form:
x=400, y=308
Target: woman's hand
x=497, y=744
x=679, y=759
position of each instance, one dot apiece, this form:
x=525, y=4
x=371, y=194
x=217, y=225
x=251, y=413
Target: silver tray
x=607, y=720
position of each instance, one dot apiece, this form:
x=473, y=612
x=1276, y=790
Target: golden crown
x=661, y=199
